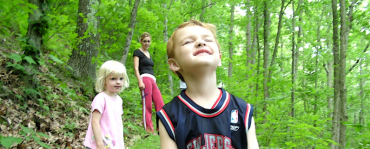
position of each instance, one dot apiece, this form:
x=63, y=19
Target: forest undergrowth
x=59, y=117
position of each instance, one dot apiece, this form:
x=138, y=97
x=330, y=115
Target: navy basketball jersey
x=191, y=126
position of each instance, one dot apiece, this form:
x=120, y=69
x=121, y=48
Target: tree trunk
x=292, y=111
x=35, y=32
x=344, y=31
x=362, y=97
x=201, y=17
x=87, y=48
x=329, y=74
x=257, y=43
x=165, y=39
x=336, y=125
x=231, y=34
x=266, y=56
x=248, y=47
x=130, y=32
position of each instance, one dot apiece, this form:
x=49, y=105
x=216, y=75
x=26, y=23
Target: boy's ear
x=219, y=64
x=173, y=65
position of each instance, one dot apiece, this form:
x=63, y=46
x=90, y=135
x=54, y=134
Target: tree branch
x=358, y=60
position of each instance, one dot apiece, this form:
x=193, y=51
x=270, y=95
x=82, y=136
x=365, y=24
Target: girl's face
x=145, y=43
x=113, y=83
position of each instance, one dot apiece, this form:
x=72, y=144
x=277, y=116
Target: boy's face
x=195, y=48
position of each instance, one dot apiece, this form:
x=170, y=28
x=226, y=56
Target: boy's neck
x=202, y=89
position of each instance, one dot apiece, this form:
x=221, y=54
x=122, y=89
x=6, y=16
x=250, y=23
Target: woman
x=143, y=65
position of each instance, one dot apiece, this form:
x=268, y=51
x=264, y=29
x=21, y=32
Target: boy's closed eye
x=187, y=42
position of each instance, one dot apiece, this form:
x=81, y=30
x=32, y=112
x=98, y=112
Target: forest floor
x=59, y=118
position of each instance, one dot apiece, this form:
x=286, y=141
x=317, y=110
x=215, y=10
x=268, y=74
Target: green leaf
x=55, y=59
x=29, y=60
x=43, y=144
x=16, y=57
x=43, y=135
x=8, y=141
x=36, y=138
x=26, y=129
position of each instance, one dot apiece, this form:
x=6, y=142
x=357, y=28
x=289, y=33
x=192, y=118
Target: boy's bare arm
x=95, y=122
x=251, y=137
x=166, y=141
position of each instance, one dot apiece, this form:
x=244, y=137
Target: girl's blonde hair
x=106, y=69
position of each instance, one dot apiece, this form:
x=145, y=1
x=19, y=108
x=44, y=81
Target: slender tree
x=294, y=64
x=130, y=32
x=231, y=34
x=336, y=126
x=266, y=55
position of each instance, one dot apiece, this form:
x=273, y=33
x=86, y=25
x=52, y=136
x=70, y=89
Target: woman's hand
x=141, y=85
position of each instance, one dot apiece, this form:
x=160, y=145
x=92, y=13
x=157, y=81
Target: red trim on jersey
x=195, y=110
x=246, y=121
x=168, y=121
x=218, y=100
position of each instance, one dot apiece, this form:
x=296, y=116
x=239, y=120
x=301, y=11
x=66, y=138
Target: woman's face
x=145, y=43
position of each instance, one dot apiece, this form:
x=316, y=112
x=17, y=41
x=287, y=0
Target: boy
x=202, y=116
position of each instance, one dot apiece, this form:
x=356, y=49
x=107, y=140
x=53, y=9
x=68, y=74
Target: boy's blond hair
x=171, y=42
x=106, y=69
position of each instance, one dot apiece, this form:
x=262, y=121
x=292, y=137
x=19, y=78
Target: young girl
x=105, y=128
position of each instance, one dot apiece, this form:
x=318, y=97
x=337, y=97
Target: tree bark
x=36, y=30
x=88, y=46
x=292, y=111
x=362, y=97
x=336, y=108
x=248, y=47
x=165, y=39
x=344, y=32
x=266, y=56
x=201, y=17
x=231, y=34
x=256, y=37
x=130, y=32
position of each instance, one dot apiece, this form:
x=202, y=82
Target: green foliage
x=8, y=141
x=35, y=136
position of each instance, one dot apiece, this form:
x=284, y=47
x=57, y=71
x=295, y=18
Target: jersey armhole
x=248, y=117
x=163, y=117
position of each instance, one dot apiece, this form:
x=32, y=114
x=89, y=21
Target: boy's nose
x=201, y=43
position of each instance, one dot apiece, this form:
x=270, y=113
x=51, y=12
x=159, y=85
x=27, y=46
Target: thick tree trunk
x=231, y=34
x=35, y=32
x=87, y=48
x=130, y=33
x=266, y=56
x=336, y=108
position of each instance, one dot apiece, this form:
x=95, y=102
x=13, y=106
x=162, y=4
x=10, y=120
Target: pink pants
x=149, y=94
